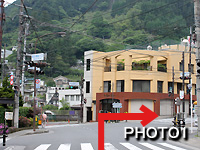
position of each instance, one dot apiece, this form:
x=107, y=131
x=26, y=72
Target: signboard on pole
x=37, y=81
x=9, y=115
x=11, y=79
x=117, y=105
x=181, y=94
x=37, y=57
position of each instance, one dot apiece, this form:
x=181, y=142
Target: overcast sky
x=8, y=1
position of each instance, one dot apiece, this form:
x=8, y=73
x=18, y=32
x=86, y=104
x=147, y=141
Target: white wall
x=72, y=93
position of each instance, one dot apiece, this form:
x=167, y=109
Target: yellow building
x=135, y=77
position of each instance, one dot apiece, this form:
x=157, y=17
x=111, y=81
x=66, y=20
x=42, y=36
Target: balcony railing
x=107, y=69
x=145, y=66
x=120, y=67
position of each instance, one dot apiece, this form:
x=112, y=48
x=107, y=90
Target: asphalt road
x=85, y=137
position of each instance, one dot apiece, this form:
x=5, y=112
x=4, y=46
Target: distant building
x=54, y=95
x=8, y=52
x=61, y=82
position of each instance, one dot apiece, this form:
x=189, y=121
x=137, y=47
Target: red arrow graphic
x=146, y=118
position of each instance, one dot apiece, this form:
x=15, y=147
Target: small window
x=72, y=97
x=192, y=68
x=107, y=86
x=87, y=86
x=159, y=86
x=77, y=97
x=88, y=65
x=181, y=66
x=120, y=85
x=67, y=97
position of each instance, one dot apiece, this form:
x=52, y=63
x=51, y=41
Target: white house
x=72, y=96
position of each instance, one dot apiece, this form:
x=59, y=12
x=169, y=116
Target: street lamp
x=34, y=107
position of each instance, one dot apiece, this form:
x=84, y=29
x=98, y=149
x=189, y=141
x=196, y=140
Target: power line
x=84, y=13
x=163, y=6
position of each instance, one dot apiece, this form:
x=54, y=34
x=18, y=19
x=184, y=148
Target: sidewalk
x=40, y=130
x=193, y=139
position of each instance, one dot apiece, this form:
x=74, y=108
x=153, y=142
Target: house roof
x=60, y=77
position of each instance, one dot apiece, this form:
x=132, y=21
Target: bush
x=2, y=128
x=28, y=112
x=50, y=107
x=24, y=122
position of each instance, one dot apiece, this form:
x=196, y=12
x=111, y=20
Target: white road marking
x=42, y=147
x=15, y=148
x=1, y=140
x=151, y=146
x=108, y=146
x=64, y=147
x=171, y=146
x=130, y=146
x=86, y=146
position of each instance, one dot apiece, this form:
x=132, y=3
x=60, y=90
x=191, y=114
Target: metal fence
x=63, y=115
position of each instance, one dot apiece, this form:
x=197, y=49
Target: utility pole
x=190, y=70
x=197, y=31
x=24, y=57
x=3, y=65
x=173, y=89
x=17, y=87
x=1, y=26
x=82, y=84
x=183, y=84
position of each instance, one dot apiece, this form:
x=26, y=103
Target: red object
x=11, y=82
x=146, y=118
x=37, y=81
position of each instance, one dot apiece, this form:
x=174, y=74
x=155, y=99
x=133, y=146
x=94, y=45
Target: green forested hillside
x=108, y=25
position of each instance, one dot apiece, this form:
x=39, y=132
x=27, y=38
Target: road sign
x=73, y=83
x=9, y=115
x=11, y=82
x=117, y=105
x=186, y=74
x=181, y=94
x=36, y=57
x=11, y=77
x=37, y=81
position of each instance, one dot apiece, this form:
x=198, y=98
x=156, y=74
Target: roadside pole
x=197, y=32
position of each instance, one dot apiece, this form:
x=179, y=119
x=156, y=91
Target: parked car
x=48, y=112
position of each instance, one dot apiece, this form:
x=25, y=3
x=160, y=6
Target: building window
x=67, y=97
x=77, y=98
x=192, y=68
x=107, y=67
x=72, y=97
x=141, y=86
x=159, y=86
x=87, y=86
x=120, y=85
x=170, y=87
x=181, y=66
x=120, y=65
x=179, y=87
x=107, y=86
x=88, y=65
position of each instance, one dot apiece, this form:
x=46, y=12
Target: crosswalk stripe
x=15, y=148
x=130, y=146
x=108, y=146
x=86, y=146
x=151, y=146
x=64, y=147
x=42, y=147
x=171, y=146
